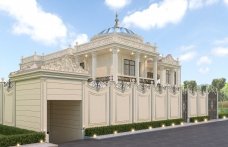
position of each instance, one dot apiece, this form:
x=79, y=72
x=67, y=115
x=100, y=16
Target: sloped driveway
x=206, y=135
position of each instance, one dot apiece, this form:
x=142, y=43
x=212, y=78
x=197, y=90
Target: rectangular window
x=82, y=64
x=175, y=78
x=150, y=75
x=129, y=67
x=167, y=77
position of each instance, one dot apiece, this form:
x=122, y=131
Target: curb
x=100, y=137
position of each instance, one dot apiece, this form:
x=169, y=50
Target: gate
x=185, y=105
x=212, y=104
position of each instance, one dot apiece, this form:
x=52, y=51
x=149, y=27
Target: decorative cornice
x=66, y=63
x=116, y=39
x=169, y=60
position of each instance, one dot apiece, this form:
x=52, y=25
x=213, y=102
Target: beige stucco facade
x=116, y=78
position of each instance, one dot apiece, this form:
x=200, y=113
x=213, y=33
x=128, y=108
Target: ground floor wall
x=63, y=107
x=117, y=104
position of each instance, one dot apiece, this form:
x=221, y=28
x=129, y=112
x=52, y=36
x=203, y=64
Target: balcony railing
x=123, y=78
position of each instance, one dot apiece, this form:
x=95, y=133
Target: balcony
x=124, y=78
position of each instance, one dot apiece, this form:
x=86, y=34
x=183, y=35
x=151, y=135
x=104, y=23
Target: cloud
x=117, y=4
x=80, y=39
x=195, y=4
x=204, y=60
x=220, y=51
x=204, y=70
x=32, y=20
x=188, y=56
x=226, y=2
x=223, y=41
x=158, y=14
x=187, y=48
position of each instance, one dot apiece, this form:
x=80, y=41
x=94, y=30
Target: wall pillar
x=115, y=65
x=155, y=71
x=94, y=65
x=163, y=76
x=178, y=74
x=137, y=59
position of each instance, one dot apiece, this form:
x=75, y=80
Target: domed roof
x=117, y=29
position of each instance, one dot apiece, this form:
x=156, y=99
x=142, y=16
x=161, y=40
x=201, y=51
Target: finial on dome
x=116, y=21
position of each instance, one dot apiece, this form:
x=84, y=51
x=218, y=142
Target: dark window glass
x=175, y=78
x=82, y=64
x=132, y=70
x=129, y=67
x=167, y=77
x=149, y=75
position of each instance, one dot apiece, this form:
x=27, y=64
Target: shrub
x=222, y=115
x=199, y=118
x=127, y=127
x=13, y=136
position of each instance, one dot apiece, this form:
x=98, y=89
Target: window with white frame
x=129, y=67
x=168, y=77
x=175, y=78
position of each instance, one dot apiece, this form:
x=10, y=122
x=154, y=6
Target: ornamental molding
x=97, y=85
x=118, y=39
x=122, y=86
x=160, y=89
x=8, y=86
x=143, y=88
x=173, y=90
x=169, y=60
x=66, y=63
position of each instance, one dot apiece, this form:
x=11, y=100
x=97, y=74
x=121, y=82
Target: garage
x=64, y=120
x=64, y=110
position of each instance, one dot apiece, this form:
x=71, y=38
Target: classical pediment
x=169, y=60
x=66, y=63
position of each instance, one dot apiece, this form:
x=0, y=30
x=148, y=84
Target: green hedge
x=222, y=115
x=13, y=136
x=127, y=127
x=199, y=119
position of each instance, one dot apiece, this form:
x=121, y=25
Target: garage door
x=64, y=121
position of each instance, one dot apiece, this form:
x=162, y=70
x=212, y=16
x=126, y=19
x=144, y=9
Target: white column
x=145, y=68
x=137, y=58
x=94, y=65
x=178, y=74
x=163, y=76
x=155, y=70
x=172, y=79
x=115, y=65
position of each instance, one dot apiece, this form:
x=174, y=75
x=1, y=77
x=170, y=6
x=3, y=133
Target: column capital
x=114, y=50
x=155, y=58
x=94, y=54
x=137, y=55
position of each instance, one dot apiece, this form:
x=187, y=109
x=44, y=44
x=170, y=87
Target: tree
x=224, y=90
x=192, y=85
x=203, y=87
x=219, y=83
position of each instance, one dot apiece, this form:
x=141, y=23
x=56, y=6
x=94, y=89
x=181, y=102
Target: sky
x=194, y=31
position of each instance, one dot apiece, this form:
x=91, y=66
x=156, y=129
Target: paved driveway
x=206, y=135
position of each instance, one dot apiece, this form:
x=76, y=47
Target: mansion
x=111, y=80
x=116, y=54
